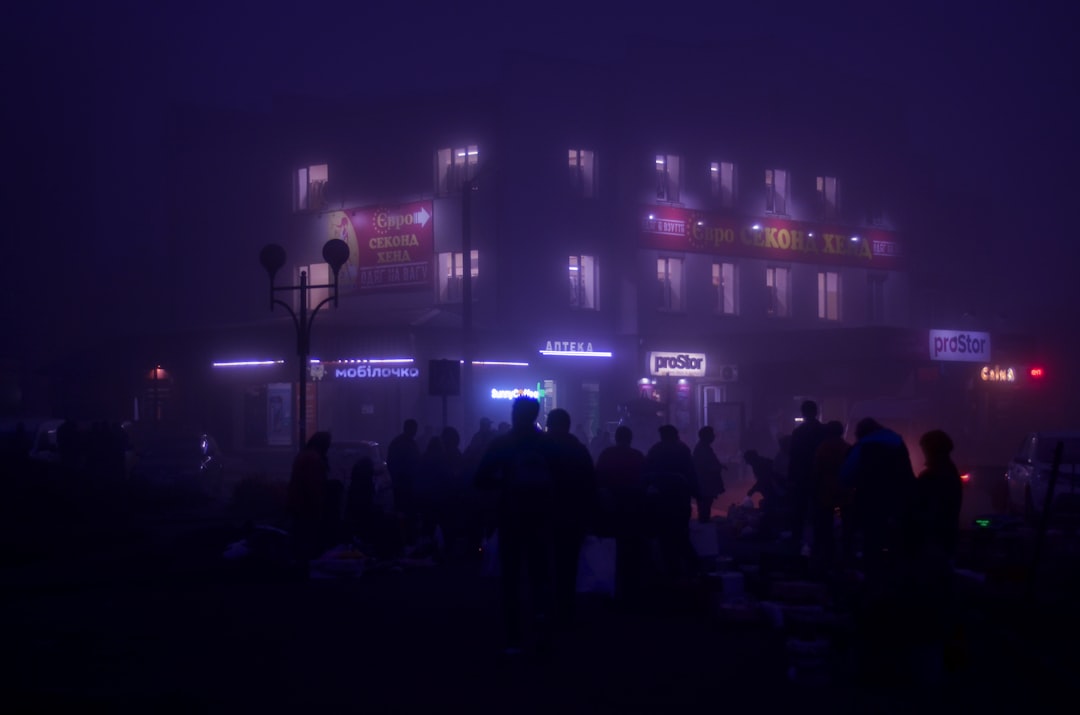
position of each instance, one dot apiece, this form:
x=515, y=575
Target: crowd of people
x=542, y=491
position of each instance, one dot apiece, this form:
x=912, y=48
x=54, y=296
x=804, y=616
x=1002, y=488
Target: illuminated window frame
x=671, y=284
x=828, y=296
x=309, y=189
x=582, y=167
x=583, y=275
x=450, y=272
x=778, y=289
x=722, y=182
x=668, y=177
x=777, y=191
x=454, y=166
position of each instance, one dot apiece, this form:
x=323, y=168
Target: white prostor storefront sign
x=678, y=364
x=959, y=345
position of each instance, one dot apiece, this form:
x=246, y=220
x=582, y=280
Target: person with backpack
x=519, y=466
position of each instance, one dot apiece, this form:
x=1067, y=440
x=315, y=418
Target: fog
x=114, y=104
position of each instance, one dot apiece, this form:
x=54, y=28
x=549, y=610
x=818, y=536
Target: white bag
x=596, y=566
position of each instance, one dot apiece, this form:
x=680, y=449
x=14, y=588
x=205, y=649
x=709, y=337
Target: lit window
x=722, y=181
x=667, y=177
x=451, y=273
x=827, y=197
x=778, y=284
x=669, y=283
x=776, y=191
x=723, y=288
x=309, y=192
x=583, y=172
x=875, y=298
x=455, y=166
x=318, y=274
x=828, y=295
x=582, y=275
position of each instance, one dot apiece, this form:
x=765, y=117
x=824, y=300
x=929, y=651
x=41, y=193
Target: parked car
x=183, y=457
x=1028, y=474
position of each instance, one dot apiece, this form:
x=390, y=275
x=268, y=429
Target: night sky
x=990, y=91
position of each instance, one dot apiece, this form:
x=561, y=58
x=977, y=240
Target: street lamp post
x=467, y=188
x=335, y=252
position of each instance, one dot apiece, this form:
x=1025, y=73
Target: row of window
x=456, y=166
x=671, y=286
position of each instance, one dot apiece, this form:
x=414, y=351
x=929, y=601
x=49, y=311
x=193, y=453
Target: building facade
x=643, y=246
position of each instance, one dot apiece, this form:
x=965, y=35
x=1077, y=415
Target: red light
x=1036, y=372
x=965, y=477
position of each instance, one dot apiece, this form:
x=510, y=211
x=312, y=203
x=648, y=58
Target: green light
x=982, y=523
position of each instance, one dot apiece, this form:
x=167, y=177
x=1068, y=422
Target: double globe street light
x=272, y=257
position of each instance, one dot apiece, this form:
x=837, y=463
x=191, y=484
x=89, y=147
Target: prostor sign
x=677, y=364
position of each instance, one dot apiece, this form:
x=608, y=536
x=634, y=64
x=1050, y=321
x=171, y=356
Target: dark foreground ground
x=148, y=618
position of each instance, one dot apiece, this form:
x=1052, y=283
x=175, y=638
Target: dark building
x=656, y=243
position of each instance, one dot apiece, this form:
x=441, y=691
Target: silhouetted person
x=364, y=519
x=573, y=510
x=519, y=466
x=307, y=495
x=828, y=495
x=933, y=534
x=432, y=488
x=938, y=495
x=458, y=523
x=599, y=443
x=878, y=467
x=403, y=464
x=482, y=505
x=619, y=471
x=805, y=440
x=710, y=473
x=767, y=484
x=671, y=483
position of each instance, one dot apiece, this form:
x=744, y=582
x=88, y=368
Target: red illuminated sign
x=389, y=246
x=1036, y=372
x=677, y=229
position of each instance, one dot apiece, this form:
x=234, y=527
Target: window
x=723, y=288
x=778, y=284
x=827, y=197
x=667, y=177
x=669, y=281
x=722, y=182
x=453, y=167
x=317, y=274
x=776, y=191
x=451, y=273
x=583, y=172
x=309, y=192
x=583, y=293
x=875, y=298
x=828, y=295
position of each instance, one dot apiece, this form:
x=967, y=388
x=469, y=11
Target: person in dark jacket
x=619, y=473
x=878, y=467
x=805, y=440
x=574, y=510
x=520, y=467
x=709, y=471
x=670, y=483
x=403, y=464
x=307, y=496
x=938, y=495
x=827, y=495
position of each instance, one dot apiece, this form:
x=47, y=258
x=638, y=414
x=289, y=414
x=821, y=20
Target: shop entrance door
x=726, y=419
